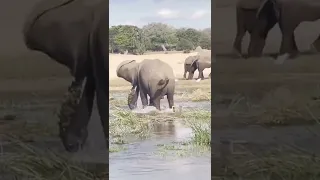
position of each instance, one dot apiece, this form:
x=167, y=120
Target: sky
x=178, y=13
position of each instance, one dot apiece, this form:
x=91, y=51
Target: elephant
x=151, y=77
x=292, y=13
x=79, y=41
x=200, y=61
x=190, y=66
x=257, y=27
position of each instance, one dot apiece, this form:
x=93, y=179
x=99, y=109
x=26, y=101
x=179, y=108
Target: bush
x=184, y=44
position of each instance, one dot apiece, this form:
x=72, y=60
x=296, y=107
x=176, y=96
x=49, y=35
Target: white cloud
x=168, y=13
x=199, y=14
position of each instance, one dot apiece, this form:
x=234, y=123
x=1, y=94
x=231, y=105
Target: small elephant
x=200, y=61
x=151, y=77
x=190, y=66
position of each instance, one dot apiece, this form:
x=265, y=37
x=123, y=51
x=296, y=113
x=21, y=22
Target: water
x=142, y=160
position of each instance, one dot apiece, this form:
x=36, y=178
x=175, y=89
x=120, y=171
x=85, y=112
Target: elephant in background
x=200, y=61
x=190, y=66
x=79, y=41
x=257, y=26
x=151, y=77
x=292, y=13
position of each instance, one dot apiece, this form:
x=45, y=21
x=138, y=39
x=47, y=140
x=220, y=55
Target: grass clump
x=127, y=123
x=28, y=162
x=115, y=102
x=200, y=123
x=196, y=95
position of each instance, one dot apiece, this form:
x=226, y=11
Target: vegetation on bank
x=156, y=37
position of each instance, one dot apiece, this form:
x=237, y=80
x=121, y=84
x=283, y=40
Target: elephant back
x=205, y=55
x=161, y=67
x=249, y=4
x=40, y=9
x=191, y=59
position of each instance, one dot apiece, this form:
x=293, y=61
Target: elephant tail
x=163, y=83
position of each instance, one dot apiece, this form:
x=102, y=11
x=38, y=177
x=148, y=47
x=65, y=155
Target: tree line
x=156, y=37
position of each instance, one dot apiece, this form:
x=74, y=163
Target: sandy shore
x=175, y=60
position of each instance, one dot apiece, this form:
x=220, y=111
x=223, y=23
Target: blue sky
x=178, y=13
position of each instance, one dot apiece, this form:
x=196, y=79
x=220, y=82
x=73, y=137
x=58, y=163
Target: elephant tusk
x=198, y=80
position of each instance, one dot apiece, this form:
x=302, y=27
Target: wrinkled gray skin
x=247, y=21
x=200, y=61
x=292, y=13
x=151, y=77
x=75, y=33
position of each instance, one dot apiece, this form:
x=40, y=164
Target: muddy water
x=142, y=160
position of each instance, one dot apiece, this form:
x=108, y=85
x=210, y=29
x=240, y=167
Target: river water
x=141, y=159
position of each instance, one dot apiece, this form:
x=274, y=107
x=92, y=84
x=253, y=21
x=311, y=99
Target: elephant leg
x=191, y=71
x=144, y=98
x=287, y=47
x=151, y=102
x=170, y=99
x=241, y=31
x=186, y=68
x=156, y=102
x=201, y=74
x=315, y=46
x=75, y=134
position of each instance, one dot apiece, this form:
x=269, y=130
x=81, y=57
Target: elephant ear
x=268, y=5
x=123, y=63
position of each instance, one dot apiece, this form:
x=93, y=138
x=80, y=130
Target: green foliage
x=153, y=36
x=184, y=44
x=205, y=41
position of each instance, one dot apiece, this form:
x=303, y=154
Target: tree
x=189, y=34
x=184, y=44
x=158, y=34
x=205, y=40
x=155, y=35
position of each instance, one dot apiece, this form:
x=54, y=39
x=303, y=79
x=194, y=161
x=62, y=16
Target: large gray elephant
x=74, y=33
x=198, y=62
x=258, y=27
x=292, y=13
x=151, y=77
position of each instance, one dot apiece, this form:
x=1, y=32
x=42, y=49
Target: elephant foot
x=173, y=109
x=236, y=53
x=313, y=49
x=282, y=58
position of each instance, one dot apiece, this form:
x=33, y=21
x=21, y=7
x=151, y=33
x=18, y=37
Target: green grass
x=200, y=123
x=127, y=123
